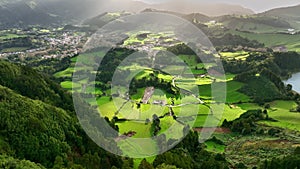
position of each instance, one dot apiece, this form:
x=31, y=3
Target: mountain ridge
x=54, y=12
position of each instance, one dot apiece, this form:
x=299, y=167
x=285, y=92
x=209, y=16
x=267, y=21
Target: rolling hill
x=290, y=14
x=287, y=12
x=255, y=23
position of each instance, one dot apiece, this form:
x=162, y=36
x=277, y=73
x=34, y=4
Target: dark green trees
x=155, y=124
x=145, y=165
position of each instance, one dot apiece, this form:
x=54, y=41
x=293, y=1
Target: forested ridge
x=30, y=83
x=34, y=126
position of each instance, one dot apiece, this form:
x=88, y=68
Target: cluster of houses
x=147, y=96
x=51, y=45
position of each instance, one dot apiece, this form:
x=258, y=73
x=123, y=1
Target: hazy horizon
x=255, y=5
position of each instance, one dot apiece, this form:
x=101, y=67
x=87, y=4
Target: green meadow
x=4, y=36
x=280, y=111
x=214, y=147
x=232, y=92
x=238, y=55
x=274, y=39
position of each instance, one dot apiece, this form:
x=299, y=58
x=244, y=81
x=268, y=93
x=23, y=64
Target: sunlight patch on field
x=238, y=55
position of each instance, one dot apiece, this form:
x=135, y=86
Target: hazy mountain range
x=17, y=13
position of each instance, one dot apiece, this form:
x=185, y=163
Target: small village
x=40, y=44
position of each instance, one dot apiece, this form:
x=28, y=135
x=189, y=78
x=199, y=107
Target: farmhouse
x=160, y=102
x=147, y=94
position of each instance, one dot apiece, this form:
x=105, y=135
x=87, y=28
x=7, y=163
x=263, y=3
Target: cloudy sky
x=255, y=5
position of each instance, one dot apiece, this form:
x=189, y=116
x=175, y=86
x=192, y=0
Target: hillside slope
x=35, y=129
x=287, y=12
x=29, y=83
x=290, y=14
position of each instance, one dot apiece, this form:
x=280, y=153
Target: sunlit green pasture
x=238, y=55
x=280, y=111
x=232, y=93
x=142, y=130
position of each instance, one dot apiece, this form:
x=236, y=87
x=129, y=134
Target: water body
x=295, y=82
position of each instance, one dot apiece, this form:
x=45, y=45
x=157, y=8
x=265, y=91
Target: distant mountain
x=210, y=9
x=20, y=13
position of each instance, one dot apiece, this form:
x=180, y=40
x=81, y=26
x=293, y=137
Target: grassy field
x=103, y=100
x=5, y=36
x=214, y=147
x=69, y=85
x=171, y=128
x=231, y=112
x=128, y=110
x=238, y=55
x=107, y=108
x=65, y=73
x=140, y=148
x=280, y=111
x=148, y=110
x=233, y=95
x=206, y=121
x=94, y=91
x=142, y=130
